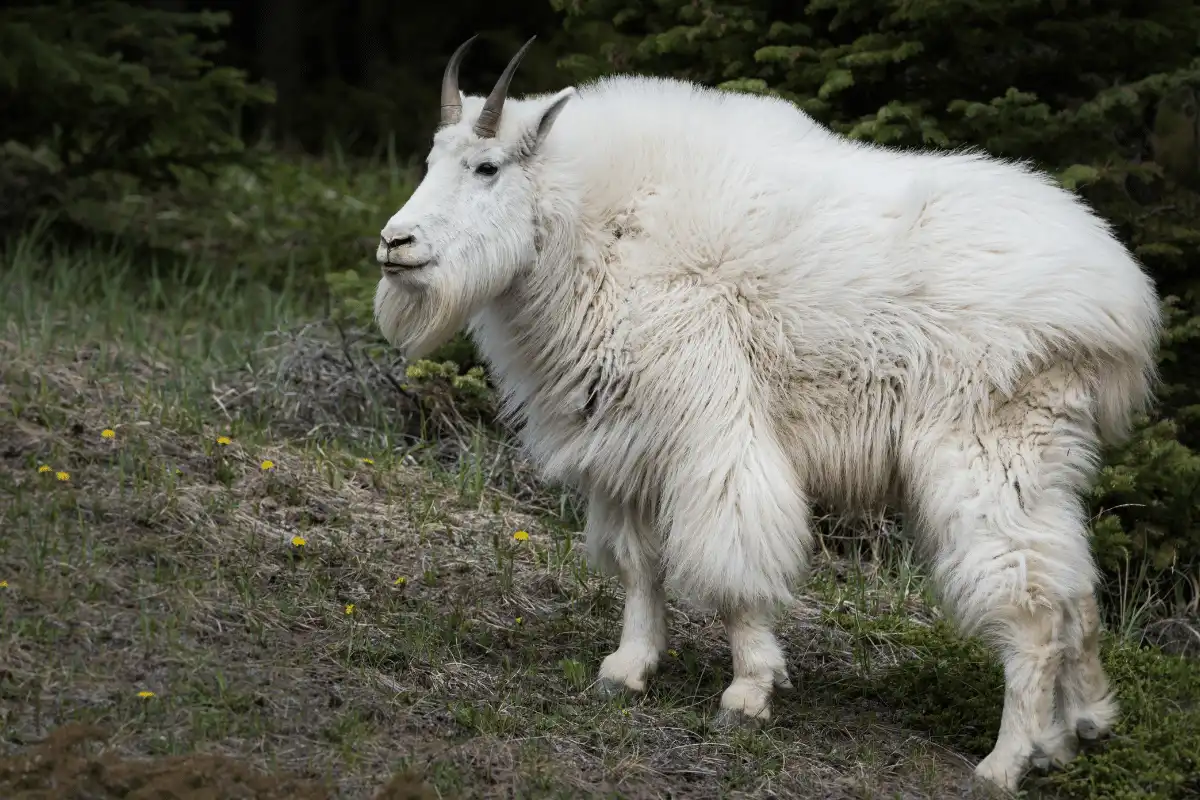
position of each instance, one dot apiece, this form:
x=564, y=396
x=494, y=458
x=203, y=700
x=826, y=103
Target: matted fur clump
x=708, y=312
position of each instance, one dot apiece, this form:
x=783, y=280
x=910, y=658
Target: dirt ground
x=64, y=767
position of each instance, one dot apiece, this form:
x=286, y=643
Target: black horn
x=489, y=117
x=451, y=101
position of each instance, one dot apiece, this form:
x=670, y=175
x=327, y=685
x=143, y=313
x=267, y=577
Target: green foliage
x=1101, y=94
x=444, y=383
x=286, y=223
x=351, y=305
x=106, y=98
x=1161, y=476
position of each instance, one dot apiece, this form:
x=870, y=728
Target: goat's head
x=469, y=227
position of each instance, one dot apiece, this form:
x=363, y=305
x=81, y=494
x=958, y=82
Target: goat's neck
x=554, y=314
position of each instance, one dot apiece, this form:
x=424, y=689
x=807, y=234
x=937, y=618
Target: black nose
x=399, y=241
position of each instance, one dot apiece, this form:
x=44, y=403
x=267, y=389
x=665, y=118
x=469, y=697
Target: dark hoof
x=1089, y=731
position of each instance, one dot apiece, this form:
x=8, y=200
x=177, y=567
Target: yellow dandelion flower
x=3, y=584
x=370, y=462
x=145, y=695
x=400, y=581
x=673, y=653
x=521, y=536
x=268, y=464
x=520, y=620
x=350, y=609
x=63, y=476
x=44, y=468
x=299, y=541
x=108, y=433
x=224, y=440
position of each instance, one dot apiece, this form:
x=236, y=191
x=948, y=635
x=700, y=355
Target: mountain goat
x=707, y=312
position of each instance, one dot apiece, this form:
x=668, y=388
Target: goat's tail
x=1126, y=373
x=1122, y=390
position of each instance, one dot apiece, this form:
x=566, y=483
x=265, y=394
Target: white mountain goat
x=707, y=311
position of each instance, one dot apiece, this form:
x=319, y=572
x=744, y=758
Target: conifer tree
x=98, y=94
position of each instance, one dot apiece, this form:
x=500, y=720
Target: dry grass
x=410, y=631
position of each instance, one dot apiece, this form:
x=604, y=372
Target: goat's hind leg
x=624, y=545
x=1011, y=569
x=1088, y=705
x=1000, y=498
x=999, y=589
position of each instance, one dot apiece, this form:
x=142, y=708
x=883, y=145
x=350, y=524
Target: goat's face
x=469, y=227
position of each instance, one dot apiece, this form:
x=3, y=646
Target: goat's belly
x=844, y=444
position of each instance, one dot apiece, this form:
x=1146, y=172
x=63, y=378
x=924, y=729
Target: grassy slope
x=166, y=563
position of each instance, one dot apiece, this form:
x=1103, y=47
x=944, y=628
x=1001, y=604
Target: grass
x=410, y=633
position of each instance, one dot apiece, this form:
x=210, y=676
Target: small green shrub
x=289, y=223
x=1158, y=479
x=445, y=387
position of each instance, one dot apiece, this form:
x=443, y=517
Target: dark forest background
x=275, y=137
x=362, y=71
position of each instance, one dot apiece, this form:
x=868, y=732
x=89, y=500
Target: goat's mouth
x=399, y=269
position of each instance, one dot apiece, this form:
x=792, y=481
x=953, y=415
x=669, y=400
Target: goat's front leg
x=758, y=667
x=643, y=636
x=625, y=545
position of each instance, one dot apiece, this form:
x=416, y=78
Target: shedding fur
x=707, y=312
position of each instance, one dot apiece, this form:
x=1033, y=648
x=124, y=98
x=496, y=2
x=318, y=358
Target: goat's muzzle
x=401, y=254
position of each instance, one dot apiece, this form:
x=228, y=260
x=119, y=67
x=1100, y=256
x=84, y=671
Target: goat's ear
x=541, y=123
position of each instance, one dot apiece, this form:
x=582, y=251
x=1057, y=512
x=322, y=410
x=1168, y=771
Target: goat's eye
x=487, y=168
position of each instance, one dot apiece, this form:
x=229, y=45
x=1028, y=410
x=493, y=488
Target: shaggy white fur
x=707, y=311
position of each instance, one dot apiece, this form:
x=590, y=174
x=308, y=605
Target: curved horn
x=451, y=101
x=489, y=117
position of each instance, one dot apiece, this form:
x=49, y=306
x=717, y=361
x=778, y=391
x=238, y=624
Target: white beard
x=418, y=319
